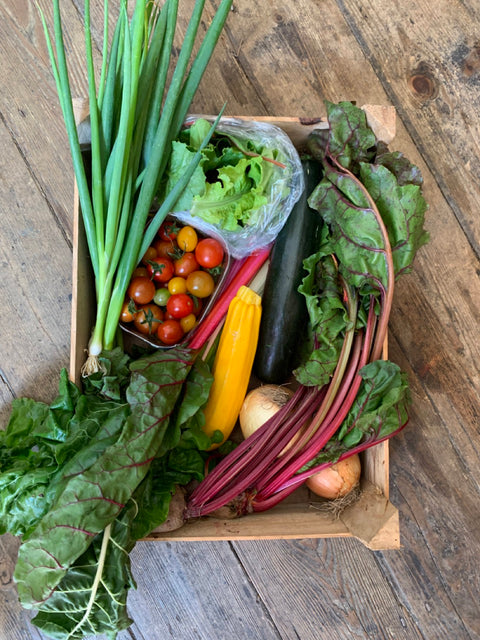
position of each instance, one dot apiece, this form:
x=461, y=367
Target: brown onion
x=338, y=480
x=260, y=404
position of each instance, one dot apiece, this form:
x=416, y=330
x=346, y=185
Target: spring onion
x=134, y=117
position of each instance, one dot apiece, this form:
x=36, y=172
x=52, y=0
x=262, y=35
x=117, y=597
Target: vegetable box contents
x=84, y=478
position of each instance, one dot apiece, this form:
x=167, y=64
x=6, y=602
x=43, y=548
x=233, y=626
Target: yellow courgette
x=233, y=363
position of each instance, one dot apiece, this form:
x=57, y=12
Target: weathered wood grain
x=199, y=590
x=283, y=58
x=35, y=279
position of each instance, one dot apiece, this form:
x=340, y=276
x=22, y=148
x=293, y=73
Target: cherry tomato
x=170, y=332
x=148, y=319
x=168, y=230
x=187, y=238
x=164, y=248
x=188, y=322
x=209, y=253
x=185, y=265
x=150, y=254
x=177, y=285
x=161, y=269
x=140, y=271
x=128, y=310
x=180, y=305
x=197, y=306
x=200, y=284
x=161, y=297
x=141, y=290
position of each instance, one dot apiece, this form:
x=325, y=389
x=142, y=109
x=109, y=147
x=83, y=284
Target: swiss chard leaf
x=91, y=598
x=92, y=498
x=356, y=237
x=381, y=405
x=402, y=208
x=349, y=139
x=380, y=409
x=328, y=317
x=391, y=181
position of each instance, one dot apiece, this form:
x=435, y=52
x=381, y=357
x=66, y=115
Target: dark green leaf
x=91, y=598
x=93, y=498
x=349, y=140
x=403, y=211
x=380, y=407
x=328, y=317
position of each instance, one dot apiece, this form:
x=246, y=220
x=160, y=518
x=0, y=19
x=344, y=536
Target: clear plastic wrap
x=284, y=188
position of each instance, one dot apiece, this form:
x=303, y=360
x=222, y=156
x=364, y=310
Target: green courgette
x=284, y=315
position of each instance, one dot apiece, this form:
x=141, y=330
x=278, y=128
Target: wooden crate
x=371, y=519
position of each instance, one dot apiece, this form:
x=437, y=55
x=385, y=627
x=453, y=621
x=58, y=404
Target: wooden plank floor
x=283, y=58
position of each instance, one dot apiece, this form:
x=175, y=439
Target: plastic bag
x=284, y=188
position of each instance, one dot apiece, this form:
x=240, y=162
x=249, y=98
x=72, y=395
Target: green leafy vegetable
x=91, y=598
x=231, y=183
x=374, y=227
x=83, y=478
x=380, y=409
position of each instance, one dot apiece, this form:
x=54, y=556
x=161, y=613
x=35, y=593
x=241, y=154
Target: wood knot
x=422, y=83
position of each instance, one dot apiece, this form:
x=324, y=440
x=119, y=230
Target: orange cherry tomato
x=127, y=312
x=141, y=290
x=200, y=284
x=177, y=285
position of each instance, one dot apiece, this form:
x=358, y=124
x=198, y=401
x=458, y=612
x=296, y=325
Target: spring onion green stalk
x=134, y=117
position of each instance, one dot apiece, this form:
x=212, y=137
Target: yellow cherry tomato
x=188, y=322
x=187, y=239
x=177, y=285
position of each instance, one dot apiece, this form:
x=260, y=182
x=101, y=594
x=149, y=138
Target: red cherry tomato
x=197, y=306
x=170, y=332
x=186, y=265
x=141, y=290
x=180, y=305
x=148, y=319
x=127, y=312
x=164, y=248
x=140, y=271
x=168, y=230
x=150, y=254
x=209, y=253
x=161, y=269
